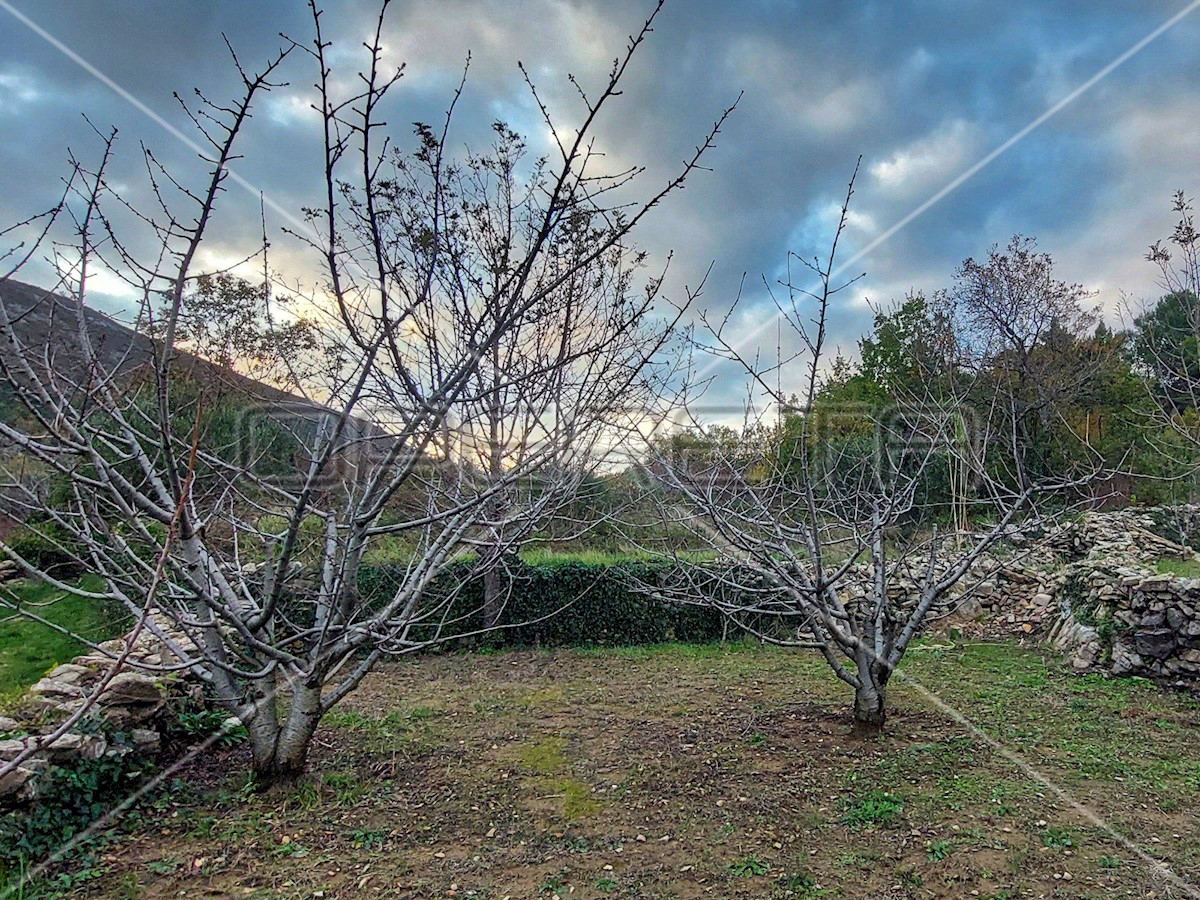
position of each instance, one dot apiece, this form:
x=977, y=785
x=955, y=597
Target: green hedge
x=566, y=603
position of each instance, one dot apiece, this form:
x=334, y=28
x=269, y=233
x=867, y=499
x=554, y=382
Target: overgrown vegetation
x=70, y=798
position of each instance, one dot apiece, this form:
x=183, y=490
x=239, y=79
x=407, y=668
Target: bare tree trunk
x=493, y=588
x=279, y=765
x=870, y=698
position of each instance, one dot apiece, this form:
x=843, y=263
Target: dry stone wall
x=1110, y=608
x=129, y=716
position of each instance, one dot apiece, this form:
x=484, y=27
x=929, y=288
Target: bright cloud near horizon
x=921, y=89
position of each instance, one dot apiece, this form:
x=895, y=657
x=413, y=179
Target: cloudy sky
x=924, y=90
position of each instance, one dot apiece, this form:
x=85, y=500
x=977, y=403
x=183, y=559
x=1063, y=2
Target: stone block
x=1158, y=643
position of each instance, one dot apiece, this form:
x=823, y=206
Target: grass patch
x=386, y=732
x=577, y=798
x=687, y=771
x=29, y=649
x=545, y=757
x=1181, y=568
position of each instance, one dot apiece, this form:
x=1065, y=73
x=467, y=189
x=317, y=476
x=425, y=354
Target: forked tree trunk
x=280, y=748
x=279, y=767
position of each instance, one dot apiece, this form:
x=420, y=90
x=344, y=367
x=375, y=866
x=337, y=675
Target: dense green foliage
x=1166, y=344
x=602, y=603
x=1072, y=393
x=70, y=798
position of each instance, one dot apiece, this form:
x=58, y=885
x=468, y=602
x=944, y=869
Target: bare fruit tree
x=455, y=292
x=830, y=525
x=572, y=378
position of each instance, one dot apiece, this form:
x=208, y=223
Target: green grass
x=29, y=649
x=1183, y=568
x=541, y=556
x=546, y=756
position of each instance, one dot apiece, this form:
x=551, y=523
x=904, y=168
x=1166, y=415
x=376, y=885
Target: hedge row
x=565, y=603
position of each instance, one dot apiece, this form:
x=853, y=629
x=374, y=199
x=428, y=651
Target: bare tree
x=427, y=322
x=823, y=525
x=1019, y=330
x=571, y=377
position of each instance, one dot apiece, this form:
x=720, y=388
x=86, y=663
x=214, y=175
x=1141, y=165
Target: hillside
x=47, y=324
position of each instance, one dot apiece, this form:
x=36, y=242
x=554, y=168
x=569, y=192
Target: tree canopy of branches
x=458, y=295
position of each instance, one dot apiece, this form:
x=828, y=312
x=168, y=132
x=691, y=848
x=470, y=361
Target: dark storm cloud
x=921, y=89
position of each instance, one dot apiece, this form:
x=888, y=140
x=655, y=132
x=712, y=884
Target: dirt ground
x=689, y=772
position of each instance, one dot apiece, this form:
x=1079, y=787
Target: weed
x=305, y=797
x=168, y=865
x=605, y=884
x=1110, y=862
x=1057, y=837
x=128, y=887
x=346, y=787
x=554, y=883
x=198, y=724
x=998, y=795
x=290, y=848
x=876, y=809
x=911, y=878
x=748, y=867
x=856, y=860
x=802, y=885
x=368, y=838
x=937, y=850
x=203, y=826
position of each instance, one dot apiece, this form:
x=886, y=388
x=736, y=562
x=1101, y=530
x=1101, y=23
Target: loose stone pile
x=128, y=716
x=1091, y=588
x=1104, y=602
